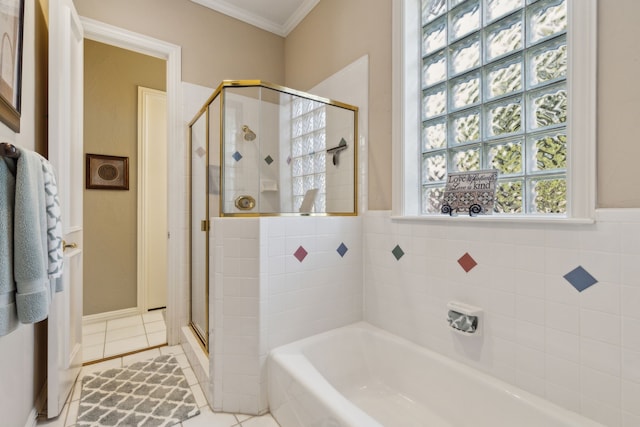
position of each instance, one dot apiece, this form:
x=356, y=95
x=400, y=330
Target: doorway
x=134, y=318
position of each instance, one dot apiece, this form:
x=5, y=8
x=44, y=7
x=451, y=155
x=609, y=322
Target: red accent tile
x=300, y=254
x=467, y=262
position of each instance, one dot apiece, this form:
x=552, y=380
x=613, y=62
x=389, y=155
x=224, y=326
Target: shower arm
x=337, y=150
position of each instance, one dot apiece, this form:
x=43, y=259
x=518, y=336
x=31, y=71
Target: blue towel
x=8, y=314
x=30, y=240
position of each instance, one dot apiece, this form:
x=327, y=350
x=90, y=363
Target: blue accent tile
x=580, y=278
x=342, y=249
x=236, y=156
x=268, y=159
x=397, y=252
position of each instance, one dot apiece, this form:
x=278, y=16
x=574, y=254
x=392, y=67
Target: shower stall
x=259, y=149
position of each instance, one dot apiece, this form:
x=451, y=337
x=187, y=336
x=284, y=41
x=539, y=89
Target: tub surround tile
x=630, y=420
x=607, y=415
x=586, y=333
x=397, y=252
x=342, y=250
x=631, y=366
x=300, y=254
x=580, y=278
x=295, y=296
x=467, y=262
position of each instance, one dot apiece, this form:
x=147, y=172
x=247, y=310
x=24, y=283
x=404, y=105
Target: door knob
x=66, y=245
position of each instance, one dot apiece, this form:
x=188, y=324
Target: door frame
x=119, y=37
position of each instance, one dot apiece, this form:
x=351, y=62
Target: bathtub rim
x=295, y=353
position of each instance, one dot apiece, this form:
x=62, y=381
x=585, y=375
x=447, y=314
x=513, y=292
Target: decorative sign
x=472, y=192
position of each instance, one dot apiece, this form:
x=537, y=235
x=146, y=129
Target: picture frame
x=11, y=39
x=107, y=172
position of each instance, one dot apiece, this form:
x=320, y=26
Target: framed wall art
x=11, y=29
x=107, y=172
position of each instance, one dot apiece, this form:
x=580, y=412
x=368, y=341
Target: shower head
x=248, y=134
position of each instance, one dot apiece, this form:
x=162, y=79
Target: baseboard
x=40, y=407
x=110, y=315
x=32, y=419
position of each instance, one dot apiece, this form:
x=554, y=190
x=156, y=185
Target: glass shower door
x=199, y=227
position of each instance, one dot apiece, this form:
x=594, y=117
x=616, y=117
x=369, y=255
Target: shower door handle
x=204, y=225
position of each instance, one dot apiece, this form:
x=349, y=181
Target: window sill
x=524, y=219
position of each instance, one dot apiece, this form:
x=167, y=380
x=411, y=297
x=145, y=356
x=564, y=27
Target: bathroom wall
x=112, y=77
x=618, y=67
x=246, y=172
x=332, y=36
x=23, y=352
x=336, y=32
x=214, y=46
x=276, y=280
x=580, y=350
x=350, y=85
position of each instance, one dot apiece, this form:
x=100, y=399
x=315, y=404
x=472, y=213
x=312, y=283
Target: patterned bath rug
x=152, y=393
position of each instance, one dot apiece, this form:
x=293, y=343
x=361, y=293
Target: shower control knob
x=245, y=203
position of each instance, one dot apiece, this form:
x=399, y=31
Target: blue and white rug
x=152, y=393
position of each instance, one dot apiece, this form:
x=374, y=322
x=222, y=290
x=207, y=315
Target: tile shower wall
x=276, y=280
x=580, y=350
x=321, y=291
x=234, y=315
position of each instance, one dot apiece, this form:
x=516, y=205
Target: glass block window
x=494, y=96
x=308, y=157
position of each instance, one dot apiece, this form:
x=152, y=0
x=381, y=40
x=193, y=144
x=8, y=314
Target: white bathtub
x=362, y=376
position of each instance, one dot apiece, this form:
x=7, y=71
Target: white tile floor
x=206, y=418
x=119, y=336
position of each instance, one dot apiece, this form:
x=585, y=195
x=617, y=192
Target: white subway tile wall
x=580, y=350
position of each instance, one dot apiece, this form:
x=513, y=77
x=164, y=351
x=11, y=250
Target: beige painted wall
x=337, y=32
x=215, y=47
x=618, y=103
x=112, y=77
x=23, y=352
x=333, y=35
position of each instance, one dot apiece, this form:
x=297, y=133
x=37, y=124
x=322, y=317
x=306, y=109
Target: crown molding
x=297, y=16
x=256, y=20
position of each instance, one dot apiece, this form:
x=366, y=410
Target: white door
x=152, y=197
x=65, y=153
